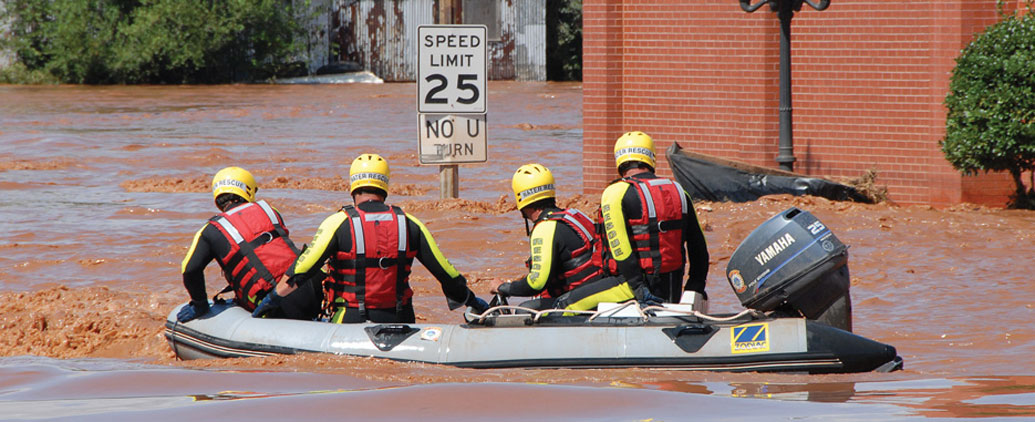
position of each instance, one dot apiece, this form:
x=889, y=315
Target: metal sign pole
x=449, y=181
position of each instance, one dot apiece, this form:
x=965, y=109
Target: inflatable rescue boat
x=791, y=274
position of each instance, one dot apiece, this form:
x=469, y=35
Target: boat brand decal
x=750, y=338
x=737, y=281
x=431, y=334
x=828, y=246
x=774, y=249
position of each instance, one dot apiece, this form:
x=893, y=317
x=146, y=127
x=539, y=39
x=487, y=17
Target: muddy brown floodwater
x=101, y=189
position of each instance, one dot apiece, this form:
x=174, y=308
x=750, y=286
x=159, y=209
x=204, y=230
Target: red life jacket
x=584, y=265
x=260, y=250
x=657, y=236
x=375, y=272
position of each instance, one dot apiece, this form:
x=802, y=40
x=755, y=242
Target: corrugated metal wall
x=317, y=42
x=521, y=54
x=381, y=35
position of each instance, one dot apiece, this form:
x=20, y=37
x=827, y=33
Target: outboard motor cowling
x=794, y=263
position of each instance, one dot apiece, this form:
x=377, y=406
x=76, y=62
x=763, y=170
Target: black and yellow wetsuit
x=637, y=253
x=371, y=287
x=250, y=280
x=560, y=259
x=562, y=266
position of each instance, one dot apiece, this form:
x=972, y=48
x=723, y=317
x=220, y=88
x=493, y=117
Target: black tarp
x=711, y=181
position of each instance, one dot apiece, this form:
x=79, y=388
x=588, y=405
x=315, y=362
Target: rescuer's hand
x=646, y=298
x=267, y=305
x=476, y=304
x=192, y=310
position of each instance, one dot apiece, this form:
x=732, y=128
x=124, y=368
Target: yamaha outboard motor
x=794, y=264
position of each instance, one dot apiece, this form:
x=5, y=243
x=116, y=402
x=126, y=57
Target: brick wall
x=869, y=79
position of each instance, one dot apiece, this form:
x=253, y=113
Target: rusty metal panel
x=529, y=54
x=520, y=54
x=382, y=35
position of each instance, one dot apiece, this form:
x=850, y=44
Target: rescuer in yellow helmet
x=564, y=264
x=250, y=242
x=652, y=228
x=371, y=246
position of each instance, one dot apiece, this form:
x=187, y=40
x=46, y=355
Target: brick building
x=869, y=79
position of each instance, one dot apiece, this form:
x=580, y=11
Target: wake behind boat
x=791, y=273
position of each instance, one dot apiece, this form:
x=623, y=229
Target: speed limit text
x=452, y=41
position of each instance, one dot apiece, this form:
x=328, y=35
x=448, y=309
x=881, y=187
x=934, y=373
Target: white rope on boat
x=701, y=315
x=537, y=314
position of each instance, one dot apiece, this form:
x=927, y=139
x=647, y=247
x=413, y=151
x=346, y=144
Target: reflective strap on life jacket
x=651, y=212
x=400, y=271
x=269, y=212
x=230, y=229
x=585, y=231
x=361, y=250
x=679, y=188
x=682, y=197
x=278, y=229
x=357, y=231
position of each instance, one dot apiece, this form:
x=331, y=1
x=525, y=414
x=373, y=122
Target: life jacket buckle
x=381, y=263
x=269, y=234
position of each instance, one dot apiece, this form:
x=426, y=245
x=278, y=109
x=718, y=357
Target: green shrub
x=155, y=41
x=991, y=104
x=17, y=73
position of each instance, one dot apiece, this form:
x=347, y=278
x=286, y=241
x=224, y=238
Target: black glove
x=646, y=298
x=477, y=304
x=268, y=304
x=192, y=310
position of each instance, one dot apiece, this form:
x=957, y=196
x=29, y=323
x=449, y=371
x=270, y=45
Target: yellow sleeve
x=439, y=257
x=313, y=255
x=541, y=243
x=614, y=221
x=190, y=251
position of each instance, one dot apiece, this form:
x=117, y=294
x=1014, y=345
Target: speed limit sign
x=451, y=68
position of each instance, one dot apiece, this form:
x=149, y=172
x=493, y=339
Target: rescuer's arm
x=696, y=250
x=542, y=267
x=325, y=243
x=454, y=285
x=199, y=254
x=618, y=200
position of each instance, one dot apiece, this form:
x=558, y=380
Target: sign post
x=451, y=106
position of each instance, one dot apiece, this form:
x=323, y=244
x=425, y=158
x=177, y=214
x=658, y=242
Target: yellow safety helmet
x=234, y=180
x=634, y=146
x=531, y=183
x=369, y=170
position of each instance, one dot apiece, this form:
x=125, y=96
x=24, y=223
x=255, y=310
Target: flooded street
x=102, y=189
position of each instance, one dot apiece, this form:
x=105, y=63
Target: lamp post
x=785, y=11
